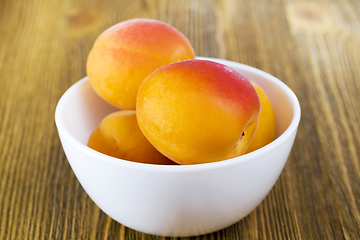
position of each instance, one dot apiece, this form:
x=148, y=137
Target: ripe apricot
x=198, y=111
x=126, y=53
x=265, y=132
x=118, y=135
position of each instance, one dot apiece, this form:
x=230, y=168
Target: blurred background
x=312, y=46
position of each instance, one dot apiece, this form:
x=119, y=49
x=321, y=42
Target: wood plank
x=313, y=47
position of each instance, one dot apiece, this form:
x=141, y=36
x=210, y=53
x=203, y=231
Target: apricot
x=198, y=111
x=118, y=135
x=265, y=132
x=126, y=53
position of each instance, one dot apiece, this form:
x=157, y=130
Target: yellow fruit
x=198, y=111
x=265, y=132
x=126, y=53
x=119, y=135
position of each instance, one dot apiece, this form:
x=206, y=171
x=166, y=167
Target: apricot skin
x=265, y=131
x=126, y=53
x=118, y=135
x=195, y=111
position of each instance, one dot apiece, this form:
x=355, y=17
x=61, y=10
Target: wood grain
x=312, y=46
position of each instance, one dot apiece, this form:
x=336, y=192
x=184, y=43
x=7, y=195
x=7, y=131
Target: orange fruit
x=126, y=53
x=265, y=131
x=118, y=135
x=198, y=111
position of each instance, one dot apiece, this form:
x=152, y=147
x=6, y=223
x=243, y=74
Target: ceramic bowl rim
x=63, y=131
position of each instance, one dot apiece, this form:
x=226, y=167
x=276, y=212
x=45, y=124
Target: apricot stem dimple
x=243, y=134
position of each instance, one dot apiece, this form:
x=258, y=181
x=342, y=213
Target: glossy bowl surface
x=175, y=200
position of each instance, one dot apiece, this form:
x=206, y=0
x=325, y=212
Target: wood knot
x=309, y=17
x=80, y=19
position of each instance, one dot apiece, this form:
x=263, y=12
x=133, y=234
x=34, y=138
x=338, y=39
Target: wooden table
x=312, y=46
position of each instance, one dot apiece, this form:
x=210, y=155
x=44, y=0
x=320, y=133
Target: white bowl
x=175, y=200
